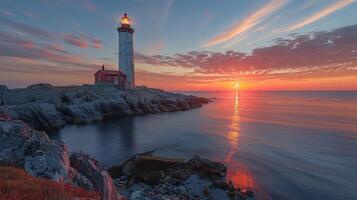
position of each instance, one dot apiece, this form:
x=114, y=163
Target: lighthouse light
x=125, y=20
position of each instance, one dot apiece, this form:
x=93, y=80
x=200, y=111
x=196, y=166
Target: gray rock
x=45, y=107
x=208, y=168
x=41, y=157
x=33, y=151
x=43, y=116
x=13, y=142
x=99, y=178
x=48, y=160
x=147, y=176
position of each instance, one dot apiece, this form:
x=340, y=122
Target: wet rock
x=153, y=177
x=208, y=168
x=99, y=178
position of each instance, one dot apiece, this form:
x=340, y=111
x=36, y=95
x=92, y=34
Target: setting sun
x=236, y=86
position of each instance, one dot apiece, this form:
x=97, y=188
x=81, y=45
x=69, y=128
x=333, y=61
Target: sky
x=184, y=44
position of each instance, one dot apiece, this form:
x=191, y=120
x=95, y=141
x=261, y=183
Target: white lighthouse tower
x=126, y=51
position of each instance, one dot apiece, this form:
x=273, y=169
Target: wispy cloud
x=82, y=40
x=5, y=12
x=75, y=40
x=29, y=30
x=19, y=49
x=320, y=14
x=96, y=43
x=30, y=14
x=250, y=21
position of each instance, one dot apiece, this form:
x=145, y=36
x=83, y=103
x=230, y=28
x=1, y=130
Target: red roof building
x=109, y=77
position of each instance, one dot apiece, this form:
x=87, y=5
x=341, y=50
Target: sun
x=236, y=86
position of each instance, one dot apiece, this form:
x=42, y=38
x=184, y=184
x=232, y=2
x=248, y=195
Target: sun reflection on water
x=234, y=129
x=237, y=173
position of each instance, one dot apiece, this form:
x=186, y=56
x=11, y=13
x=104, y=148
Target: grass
x=16, y=184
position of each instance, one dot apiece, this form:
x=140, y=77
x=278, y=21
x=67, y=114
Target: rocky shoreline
x=146, y=176
x=151, y=177
x=45, y=107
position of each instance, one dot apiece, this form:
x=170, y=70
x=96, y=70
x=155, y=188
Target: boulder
x=207, y=168
x=33, y=151
x=49, y=160
x=41, y=157
x=97, y=176
x=13, y=142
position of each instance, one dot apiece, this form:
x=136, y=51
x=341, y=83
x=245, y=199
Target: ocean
x=280, y=144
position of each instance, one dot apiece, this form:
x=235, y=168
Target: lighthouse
x=126, y=51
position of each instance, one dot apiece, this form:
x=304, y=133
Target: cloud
x=82, y=40
x=250, y=21
x=19, y=49
x=320, y=54
x=321, y=13
x=96, y=43
x=89, y=6
x=30, y=14
x=6, y=12
x=29, y=30
x=75, y=40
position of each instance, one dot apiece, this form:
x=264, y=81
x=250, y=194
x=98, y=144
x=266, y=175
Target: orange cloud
x=320, y=14
x=249, y=22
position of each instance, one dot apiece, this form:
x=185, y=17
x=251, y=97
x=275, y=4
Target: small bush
x=16, y=184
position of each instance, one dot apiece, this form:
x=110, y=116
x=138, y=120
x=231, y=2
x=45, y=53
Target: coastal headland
x=26, y=113
x=45, y=107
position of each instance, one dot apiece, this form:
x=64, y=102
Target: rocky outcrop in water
x=41, y=157
x=44, y=107
x=150, y=177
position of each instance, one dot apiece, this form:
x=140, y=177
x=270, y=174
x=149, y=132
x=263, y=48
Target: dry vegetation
x=16, y=184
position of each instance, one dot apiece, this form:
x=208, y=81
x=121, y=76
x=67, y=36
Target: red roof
x=110, y=72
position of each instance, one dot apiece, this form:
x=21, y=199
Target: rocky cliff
x=44, y=107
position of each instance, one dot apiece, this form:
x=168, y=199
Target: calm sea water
x=283, y=145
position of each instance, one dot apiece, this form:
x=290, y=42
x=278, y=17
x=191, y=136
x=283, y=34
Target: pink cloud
x=96, y=43
x=83, y=41
x=75, y=40
x=321, y=13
